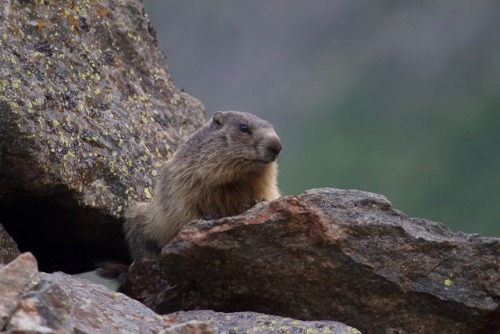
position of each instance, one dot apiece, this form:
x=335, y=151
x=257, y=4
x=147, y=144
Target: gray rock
x=342, y=255
x=99, y=309
x=257, y=323
x=34, y=302
x=8, y=247
x=87, y=113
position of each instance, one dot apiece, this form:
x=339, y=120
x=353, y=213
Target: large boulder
x=341, y=255
x=87, y=113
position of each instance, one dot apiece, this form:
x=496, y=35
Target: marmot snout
x=222, y=170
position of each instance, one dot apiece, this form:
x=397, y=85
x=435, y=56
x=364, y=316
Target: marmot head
x=247, y=137
x=247, y=140
x=230, y=145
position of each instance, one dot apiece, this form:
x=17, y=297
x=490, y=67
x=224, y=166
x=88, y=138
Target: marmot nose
x=274, y=148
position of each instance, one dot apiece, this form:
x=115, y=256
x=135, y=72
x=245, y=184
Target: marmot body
x=222, y=170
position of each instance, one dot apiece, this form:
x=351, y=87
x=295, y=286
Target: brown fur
x=222, y=170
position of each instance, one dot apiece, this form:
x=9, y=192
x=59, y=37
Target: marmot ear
x=218, y=118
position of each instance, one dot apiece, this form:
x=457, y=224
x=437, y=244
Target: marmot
x=222, y=170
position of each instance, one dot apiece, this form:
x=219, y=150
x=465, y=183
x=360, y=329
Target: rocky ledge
x=342, y=255
x=327, y=261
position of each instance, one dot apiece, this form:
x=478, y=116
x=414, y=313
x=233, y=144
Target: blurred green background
x=397, y=98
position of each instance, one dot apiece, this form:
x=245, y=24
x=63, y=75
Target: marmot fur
x=222, y=170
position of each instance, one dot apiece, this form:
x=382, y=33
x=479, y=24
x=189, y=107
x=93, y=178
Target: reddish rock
x=14, y=280
x=340, y=255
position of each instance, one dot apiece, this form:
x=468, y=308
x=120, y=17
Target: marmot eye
x=245, y=128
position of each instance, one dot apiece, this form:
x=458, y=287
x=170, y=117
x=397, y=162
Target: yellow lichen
x=147, y=192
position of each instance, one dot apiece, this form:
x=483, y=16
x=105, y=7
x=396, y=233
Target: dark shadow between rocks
x=61, y=234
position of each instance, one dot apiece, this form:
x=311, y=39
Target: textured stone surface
x=99, y=309
x=87, y=113
x=45, y=308
x=8, y=247
x=341, y=255
x=256, y=323
x=14, y=280
x=190, y=327
x=34, y=302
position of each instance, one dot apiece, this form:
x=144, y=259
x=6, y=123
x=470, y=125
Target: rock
x=34, y=302
x=251, y=322
x=14, y=280
x=97, y=309
x=342, y=255
x=45, y=308
x=87, y=113
x=190, y=327
x=8, y=247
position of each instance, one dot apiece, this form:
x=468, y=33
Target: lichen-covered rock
x=8, y=247
x=341, y=255
x=87, y=113
x=258, y=323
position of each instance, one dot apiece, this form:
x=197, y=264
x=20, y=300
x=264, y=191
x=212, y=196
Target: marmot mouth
x=265, y=162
